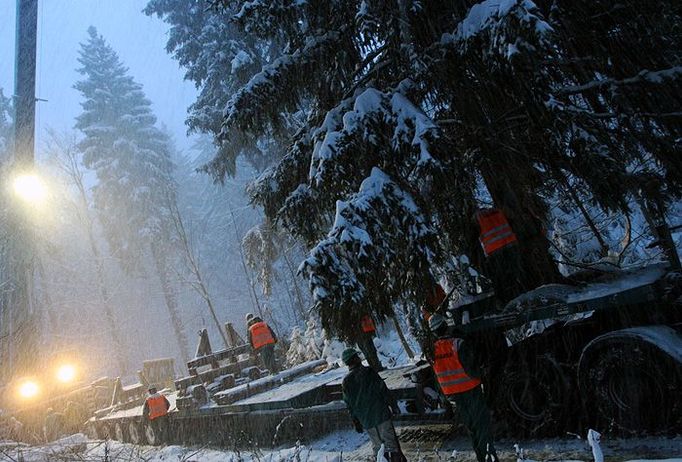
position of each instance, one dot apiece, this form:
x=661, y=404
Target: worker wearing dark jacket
x=155, y=410
x=365, y=342
x=262, y=340
x=371, y=405
x=456, y=370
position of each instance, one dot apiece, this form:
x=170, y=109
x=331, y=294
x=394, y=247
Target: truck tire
x=135, y=433
x=120, y=432
x=152, y=434
x=533, y=394
x=103, y=431
x=630, y=383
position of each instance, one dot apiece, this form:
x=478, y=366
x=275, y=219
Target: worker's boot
x=396, y=456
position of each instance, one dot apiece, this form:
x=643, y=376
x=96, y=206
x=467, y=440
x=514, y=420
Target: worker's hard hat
x=436, y=322
x=348, y=354
x=249, y=317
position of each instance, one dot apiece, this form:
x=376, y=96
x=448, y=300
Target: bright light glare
x=30, y=188
x=28, y=389
x=66, y=373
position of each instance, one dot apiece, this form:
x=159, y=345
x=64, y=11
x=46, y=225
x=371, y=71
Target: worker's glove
x=358, y=426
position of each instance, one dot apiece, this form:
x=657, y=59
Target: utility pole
x=22, y=329
x=25, y=82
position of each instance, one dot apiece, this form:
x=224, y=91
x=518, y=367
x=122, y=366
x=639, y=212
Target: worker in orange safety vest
x=456, y=372
x=365, y=342
x=262, y=339
x=502, y=255
x=155, y=410
x=434, y=297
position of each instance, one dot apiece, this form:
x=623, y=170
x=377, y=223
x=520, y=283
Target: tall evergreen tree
x=131, y=158
x=413, y=114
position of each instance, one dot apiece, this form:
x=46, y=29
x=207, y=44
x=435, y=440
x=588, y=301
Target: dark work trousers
x=161, y=426
x=504, y=270
x=366, y=344
x=267, y=356
x=472, y=411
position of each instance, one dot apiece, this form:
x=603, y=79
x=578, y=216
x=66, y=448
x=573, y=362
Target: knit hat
x=348, y=354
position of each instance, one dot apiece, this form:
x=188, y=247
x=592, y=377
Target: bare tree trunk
x=297, y=290
x=198, y=284
x=171, y=300
x=604, y=249
x=254, y=300
x=69, y=163
x=526, y=214
x=401, y=335
x=119, y=346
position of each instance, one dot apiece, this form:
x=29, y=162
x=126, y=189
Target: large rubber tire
x=136, y=433
x=152, y=434
x=91, y=430
x=104, y=431
x=120, y=432
x=631, y=386
x=533, y=395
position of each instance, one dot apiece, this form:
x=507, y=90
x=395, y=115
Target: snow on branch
x=407, y=125
x=378, y=230
x=645, y=76
x=499, y=20
x=246, y=105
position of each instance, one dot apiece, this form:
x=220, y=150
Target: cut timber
x=266, y=383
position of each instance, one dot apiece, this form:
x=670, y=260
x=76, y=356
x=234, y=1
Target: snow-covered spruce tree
x=622, y=99
x=434, y=101
x=219, y=60
x=365, y=144
x=131, y=158
x=271, y=254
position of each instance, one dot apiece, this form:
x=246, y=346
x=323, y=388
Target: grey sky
x=139, y=41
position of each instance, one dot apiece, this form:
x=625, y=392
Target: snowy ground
x=433, y=444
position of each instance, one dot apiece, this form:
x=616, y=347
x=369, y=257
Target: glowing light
x=30, y=188
x=66, y=373
x=28, y=389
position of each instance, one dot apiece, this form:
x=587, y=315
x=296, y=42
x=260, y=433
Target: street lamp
x=30, y=188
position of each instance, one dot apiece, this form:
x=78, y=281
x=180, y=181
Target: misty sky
x=139, y=41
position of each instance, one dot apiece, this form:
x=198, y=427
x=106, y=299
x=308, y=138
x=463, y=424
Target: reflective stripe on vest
x=448, y=369
x=260, y=335
x=157, y=406
x=367, y=324
x=495, y=230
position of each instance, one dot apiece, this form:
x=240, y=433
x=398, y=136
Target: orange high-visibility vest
x=157, y=406
x=260, y=335
x=495, y=230
x=448, y=368
x=367, y=324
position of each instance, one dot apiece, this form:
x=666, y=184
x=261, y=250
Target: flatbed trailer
x=297, y=406
x=549, y=368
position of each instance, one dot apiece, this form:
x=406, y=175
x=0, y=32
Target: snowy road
x=419, y=445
